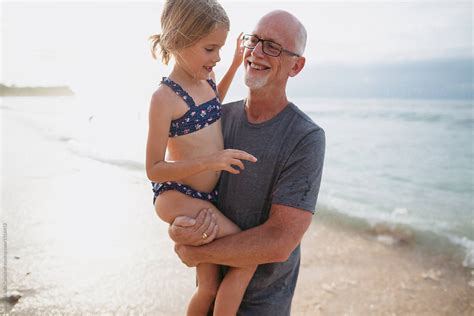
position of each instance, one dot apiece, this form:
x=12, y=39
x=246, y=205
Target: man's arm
x=273, y=241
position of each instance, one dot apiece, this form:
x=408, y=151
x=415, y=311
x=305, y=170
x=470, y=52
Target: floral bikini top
x=198, y=116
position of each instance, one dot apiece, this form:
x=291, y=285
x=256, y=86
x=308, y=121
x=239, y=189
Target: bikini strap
x=179, y=91
x=214, y=87
x=212, y=84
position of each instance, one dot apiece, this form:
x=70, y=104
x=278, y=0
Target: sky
x=91, y=45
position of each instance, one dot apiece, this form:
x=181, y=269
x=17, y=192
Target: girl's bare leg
x=232, y=290
x=206, y=291
x=229, y=295
x=233, y=286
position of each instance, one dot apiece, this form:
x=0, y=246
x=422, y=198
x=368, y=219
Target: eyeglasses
x=270, y=48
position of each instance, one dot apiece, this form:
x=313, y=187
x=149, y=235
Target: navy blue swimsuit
x=196, y=118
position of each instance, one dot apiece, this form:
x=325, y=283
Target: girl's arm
x=224, y=84
x=159, y=170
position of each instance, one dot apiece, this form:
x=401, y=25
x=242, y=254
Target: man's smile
x=257, y=66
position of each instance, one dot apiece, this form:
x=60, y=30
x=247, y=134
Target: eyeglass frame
x=263, y=44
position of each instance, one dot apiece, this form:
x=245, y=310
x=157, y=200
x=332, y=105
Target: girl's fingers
x=237, y=162
x=232, y=170
x=240, y=38
x=240, y=154
x=246, y=156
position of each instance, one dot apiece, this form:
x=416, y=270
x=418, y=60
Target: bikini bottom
x=159, y=188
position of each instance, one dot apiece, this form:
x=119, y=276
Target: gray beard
x=255, y=83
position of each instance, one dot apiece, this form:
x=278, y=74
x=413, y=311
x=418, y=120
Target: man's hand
x=195, y=232
x=185, y=254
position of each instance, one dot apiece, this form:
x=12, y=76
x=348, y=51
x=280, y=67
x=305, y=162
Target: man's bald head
x=287, y=23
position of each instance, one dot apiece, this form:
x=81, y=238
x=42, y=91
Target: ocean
x=400, y=162
x=404, y=163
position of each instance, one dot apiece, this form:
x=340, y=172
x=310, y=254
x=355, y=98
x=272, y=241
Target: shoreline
x=18, y=91
x=393, y=233
x=346, y=270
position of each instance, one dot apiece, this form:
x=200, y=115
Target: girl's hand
x=224, y=84
x=227, y=158
x=239, y=52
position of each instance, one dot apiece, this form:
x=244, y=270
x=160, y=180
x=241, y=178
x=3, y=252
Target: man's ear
x=298, y=66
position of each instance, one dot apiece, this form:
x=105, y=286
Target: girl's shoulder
x=163, y=98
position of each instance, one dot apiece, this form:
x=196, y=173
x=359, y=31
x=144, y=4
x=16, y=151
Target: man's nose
x=258, y=50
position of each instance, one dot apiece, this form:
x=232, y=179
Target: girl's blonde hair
x=183, y=23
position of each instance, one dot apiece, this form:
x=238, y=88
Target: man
x=272, y=200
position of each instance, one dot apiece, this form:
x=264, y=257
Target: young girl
x=185, y=152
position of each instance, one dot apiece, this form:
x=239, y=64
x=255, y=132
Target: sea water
x=387, y=160
x=406, y=162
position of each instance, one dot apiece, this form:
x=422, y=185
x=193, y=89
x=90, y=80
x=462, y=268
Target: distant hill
x=34, y=91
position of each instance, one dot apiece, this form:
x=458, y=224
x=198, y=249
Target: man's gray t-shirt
x=290, y=151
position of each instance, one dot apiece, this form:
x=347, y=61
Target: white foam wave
x=401, y=216
x=468, y=247
x=88, y=152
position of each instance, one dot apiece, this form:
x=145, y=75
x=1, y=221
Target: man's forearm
x=273, y=241
x=258, y=245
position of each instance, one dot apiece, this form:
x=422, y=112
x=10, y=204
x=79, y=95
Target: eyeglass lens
x=269, y=47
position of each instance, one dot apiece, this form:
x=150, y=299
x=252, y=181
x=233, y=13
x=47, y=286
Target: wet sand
x=350, y=272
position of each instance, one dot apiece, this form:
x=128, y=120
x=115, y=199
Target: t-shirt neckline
x=271, y=121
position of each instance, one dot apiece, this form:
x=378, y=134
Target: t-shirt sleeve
x=299, y=181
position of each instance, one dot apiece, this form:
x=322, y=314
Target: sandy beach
x=83, y=239
x=348, y=272
x=343, y=271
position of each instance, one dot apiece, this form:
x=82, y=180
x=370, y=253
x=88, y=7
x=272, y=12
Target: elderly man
x=274, y=199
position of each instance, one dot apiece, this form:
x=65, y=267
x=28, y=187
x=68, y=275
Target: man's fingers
x=210, y=227
x=213, y=235
x=207, y=220
x=212, y=224
x=184, y=221
x=200, y=219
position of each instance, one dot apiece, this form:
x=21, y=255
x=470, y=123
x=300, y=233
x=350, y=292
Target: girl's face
x=199, y=60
